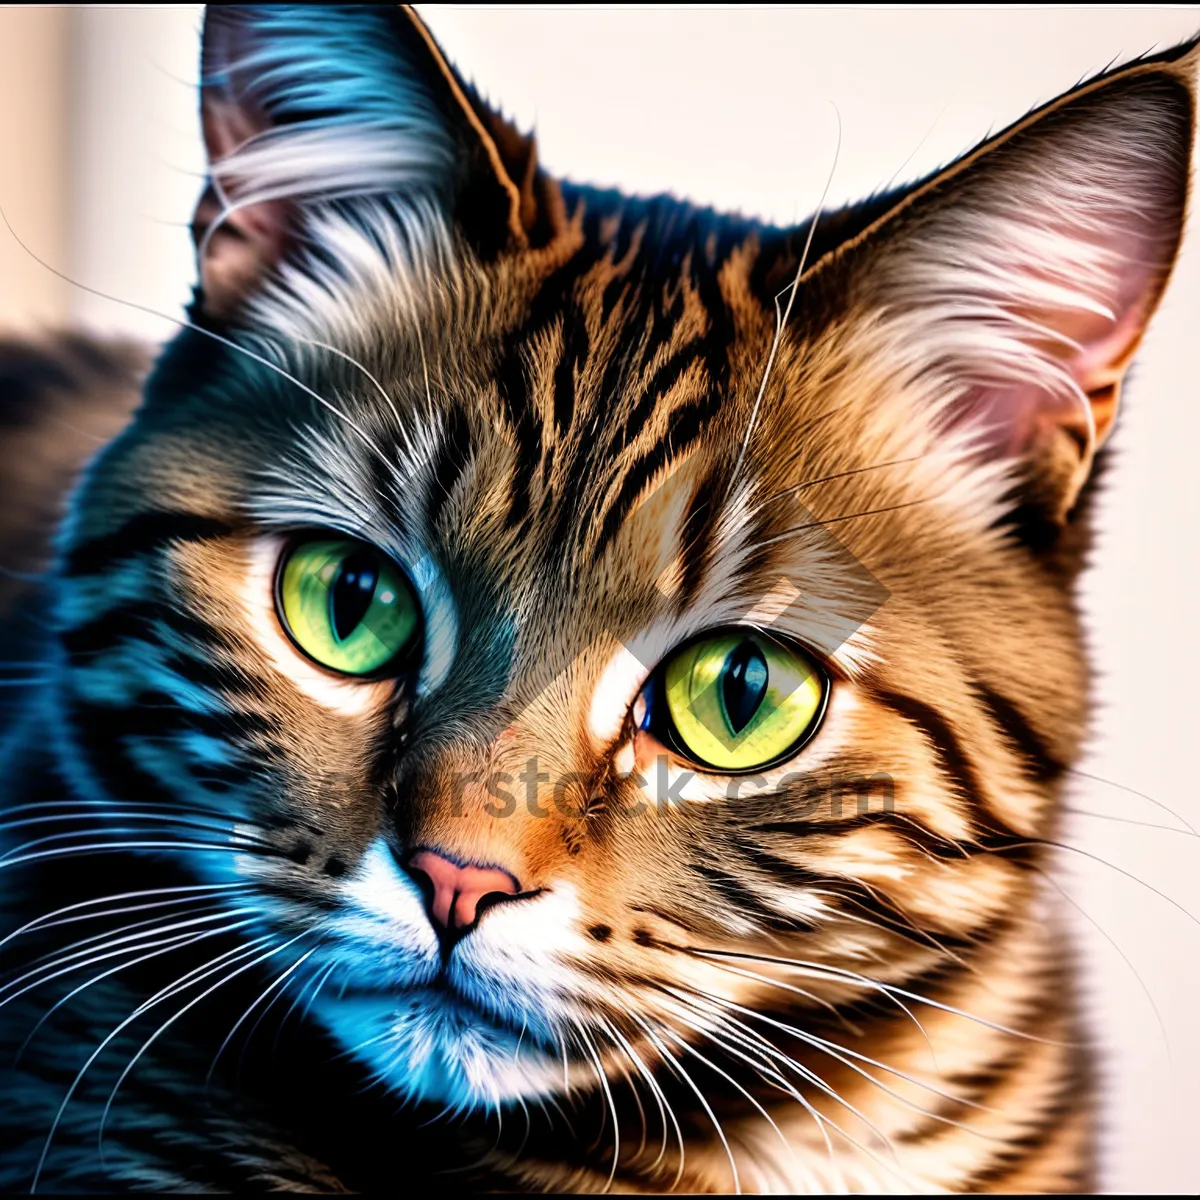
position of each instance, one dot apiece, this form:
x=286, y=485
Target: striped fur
x=848, y=973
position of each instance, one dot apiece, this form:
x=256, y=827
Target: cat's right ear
x=304, y=106
x=999, y=303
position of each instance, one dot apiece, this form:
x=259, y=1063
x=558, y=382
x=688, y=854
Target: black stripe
x=680, y=919
x=220, y=778
x=1040, y=763
x=566, y=529
x=687, y=422
x=613, y=381
x=576, y=347
x=892, y=918
x=1014, y=848
x=663, y=380
x=933, y=981
x=951, y=756
x=758, y=557
x=212, y=674
x=134, y=622
x=742, y=899
x=636, y=479
x=155, y=715
x=721, y=330
x=140, y=535
x=545, y=308
x=300, y=891
x=105, y=737
x=513, y=385
x=453, y=454
x=685, y=425
x=99, y=734
x=860, y=896
x=696, y=539
x=665, y=316
x=613, y=291
x=631, y=222
x=1074, y=1091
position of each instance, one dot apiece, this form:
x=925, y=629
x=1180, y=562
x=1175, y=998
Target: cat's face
x=551, y=677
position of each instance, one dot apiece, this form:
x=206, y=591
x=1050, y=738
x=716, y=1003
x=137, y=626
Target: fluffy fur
x=843, y=973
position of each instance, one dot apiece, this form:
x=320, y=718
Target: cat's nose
x=456, y=895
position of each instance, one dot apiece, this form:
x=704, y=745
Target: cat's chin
x=428, y=1045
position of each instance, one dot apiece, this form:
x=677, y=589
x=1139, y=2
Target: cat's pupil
x=352, y=592
x=743, y=684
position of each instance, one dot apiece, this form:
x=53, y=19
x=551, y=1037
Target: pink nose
x=457, y=891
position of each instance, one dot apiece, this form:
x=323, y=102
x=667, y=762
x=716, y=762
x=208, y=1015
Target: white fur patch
x=618, y=686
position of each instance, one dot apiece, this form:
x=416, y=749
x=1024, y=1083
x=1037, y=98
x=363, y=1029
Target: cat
x=547, y=690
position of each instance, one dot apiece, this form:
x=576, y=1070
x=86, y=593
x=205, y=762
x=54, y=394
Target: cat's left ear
x=1009, y=291
x=306, y=105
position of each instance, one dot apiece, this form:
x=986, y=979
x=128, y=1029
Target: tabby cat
x=558, y=691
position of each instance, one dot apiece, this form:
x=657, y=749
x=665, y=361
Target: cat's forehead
x=622, y=267
x=582, y=373
x=565, y=473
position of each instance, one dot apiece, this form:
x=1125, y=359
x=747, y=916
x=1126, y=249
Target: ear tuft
x=307, y=106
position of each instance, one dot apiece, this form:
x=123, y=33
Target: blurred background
x=100, y=165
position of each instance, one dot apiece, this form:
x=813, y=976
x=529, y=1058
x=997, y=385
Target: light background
x=100, y=164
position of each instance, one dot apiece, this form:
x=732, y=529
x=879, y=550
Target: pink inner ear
x=1105, y=352
x=1092, y=349
x=1139, y=260
x=226, y=127
x=236, y=245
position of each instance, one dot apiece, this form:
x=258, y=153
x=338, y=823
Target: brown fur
x=593, y=493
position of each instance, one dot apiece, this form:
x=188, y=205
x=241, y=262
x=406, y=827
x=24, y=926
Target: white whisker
x=115, y=847
x=623, y=1043
x=241, y=970
x=177, y=943
x=103, y=816
x=355, y=363
x=612, y=1108
x=165, y=993
x=46, y=921
x=820, y=970
x=804, y=1072
x=280, y=979
x=690, y=1049
x=844, y=1054
x=54, y=965
x=674, y=1064
x=781, y=320
x=752, y=1040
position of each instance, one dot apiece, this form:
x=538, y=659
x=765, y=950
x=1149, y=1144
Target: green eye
x=347, y=606
x=739, y=701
